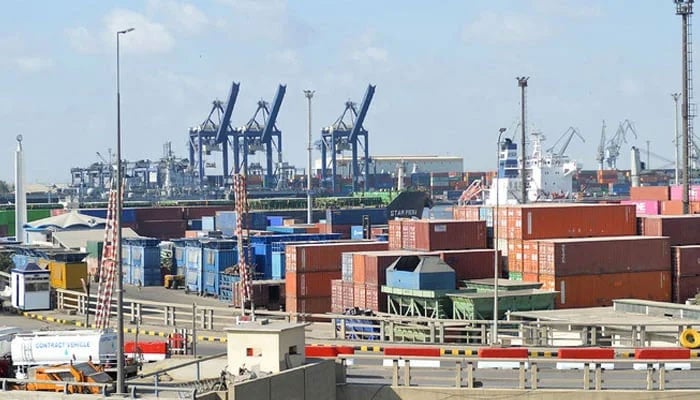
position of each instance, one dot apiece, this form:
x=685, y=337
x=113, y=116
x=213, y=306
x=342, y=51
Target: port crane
x=344, y=135
x=566, y=138
x=600, y=155
x=213, y=134
x=612, y=149
x=260, y=133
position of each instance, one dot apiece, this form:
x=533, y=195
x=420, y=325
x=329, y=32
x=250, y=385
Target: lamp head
x=19, y=138
x=125, y=31
x=501, y=130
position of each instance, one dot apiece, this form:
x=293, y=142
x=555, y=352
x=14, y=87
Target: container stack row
x=141, y=261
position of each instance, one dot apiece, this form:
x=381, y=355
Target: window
x=253, y=352
x=292, y=350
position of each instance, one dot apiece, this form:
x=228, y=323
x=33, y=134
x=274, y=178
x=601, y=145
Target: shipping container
x=375, y=300
x=658, y=193
x=310, y=284
x=395, y=234
x=544, y=221
x=324, y=256
x=466, y=213
x=685, y=260
x=471, y=264
x=193, y=274
x=431, y=235
x=684, y=288
x=671, y=207
x=644, y=207
x=359, y=295
x=217, y=255
x=67, y=275
x=693, y=192
x=308, y=305
x=159, y=213
x=337, y=301
x=162, y=229
x=680, y=229
x=347, y=270
x=599, y=290
x=603, y=255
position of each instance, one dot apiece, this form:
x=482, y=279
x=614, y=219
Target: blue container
x=356, y=232
x=275, y=220
x=226, y=282
x=278, y=264
x=215, y=261
x=420, y=273
x=95, y=212
x=20, y=260
x=225, y=221
x=141, y=276
x=486, y=214
x=128, y=215
x=208, y=224
x=179, y=256
x=384, y=237
x=194, y=225
x=286, y=229
x=144, y=265
x=193, y=264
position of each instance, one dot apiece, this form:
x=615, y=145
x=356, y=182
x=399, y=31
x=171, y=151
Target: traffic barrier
x=502, y=352
x=690, y=338
x=147, y=351
x=662, y=353
x=585, y=353
x=316, y=351
x=417, y=351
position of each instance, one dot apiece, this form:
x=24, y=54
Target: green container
x=94, y=248
x=515, y=276
x=479, y=306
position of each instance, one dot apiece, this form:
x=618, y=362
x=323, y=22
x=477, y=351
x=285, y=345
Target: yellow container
x=64, y=275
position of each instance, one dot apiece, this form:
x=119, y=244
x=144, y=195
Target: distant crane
x=612, y=150
x=345, y=135
x=600, y=156
x=261, y=134
x=212, y=135
x=566, y=138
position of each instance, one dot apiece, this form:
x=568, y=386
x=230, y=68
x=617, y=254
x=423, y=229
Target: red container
x=515, y=255
x=644, y=207
x=470, y=264
x=685, y=287
x=671, y=207
x=431, y=235
x=158, y=213
x=545, y=221
x=163, y=229
x=395, y=234
x=598, y=290
x=531, y=256
x=466, y=213
x=603, y=255
x=308, y=305
x=658, y=193
x=681, y=229
x=685, y=260
x=310, y=284
x=359, y=295
x=530, y=277
x=375, y=264
x=337, y=301
x=324, y=256
x=375, y=300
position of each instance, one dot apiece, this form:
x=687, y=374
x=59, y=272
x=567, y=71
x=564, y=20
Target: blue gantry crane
x=215, y=134
x=260, y=134
x=347, y=135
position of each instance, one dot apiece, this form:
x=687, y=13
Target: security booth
x=30, y=288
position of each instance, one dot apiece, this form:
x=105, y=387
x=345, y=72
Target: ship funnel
x=635, y=167
x=20, y=195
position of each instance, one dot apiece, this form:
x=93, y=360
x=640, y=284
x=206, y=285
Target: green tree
x=5, y=187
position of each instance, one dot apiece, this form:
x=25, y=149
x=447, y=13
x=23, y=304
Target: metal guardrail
x=392, y=328
x=464, y=373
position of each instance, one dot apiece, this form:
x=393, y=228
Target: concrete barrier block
x=288, y=385
x=320, y=380
x=254, y=389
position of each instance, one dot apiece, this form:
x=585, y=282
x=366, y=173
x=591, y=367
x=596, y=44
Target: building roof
x=70, y=219
x=77, y=239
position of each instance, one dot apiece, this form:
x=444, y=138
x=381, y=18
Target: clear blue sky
x=445, y=73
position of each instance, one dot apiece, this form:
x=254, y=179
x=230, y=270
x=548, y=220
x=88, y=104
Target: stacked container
x=217, y=255
x=686, y=272
x=431, y=235
x=193, y=265
x=144, y=261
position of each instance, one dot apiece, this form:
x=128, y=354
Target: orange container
x=375, y=300
x=660, y=193
x=672, y=207
x=337, y=301
x=310, y=305
x=359, y=295
x=530, y=277
x=310, y=284
x=544, y=221
x=358, y=267
x=515, y=255
x=466, y=213
x=530, y=257
x=601, y=289
x=395, y=234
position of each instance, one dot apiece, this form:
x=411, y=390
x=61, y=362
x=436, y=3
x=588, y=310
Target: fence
x=391, y=328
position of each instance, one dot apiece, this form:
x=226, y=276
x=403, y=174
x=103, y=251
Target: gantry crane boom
x=600, y=157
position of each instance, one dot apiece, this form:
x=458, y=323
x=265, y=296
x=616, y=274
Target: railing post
x=173, y=317
x=594, y=336
x=395, y=373
x=441, y=332
x=470, y=374
x=211, y=318
x=166, y=315
x=521, y=375
x=650, y=376
x=484, y=336
x=534, y=379
x=598, y=376
x=458, y=374
x=133, y=313
x=382, y=331
x=155, y=385
x=139, y=313
x=202, y=319
x=432, y=331
x=336, y=326
x=407, y=373
x=343, y=329
x=586, y=376
x=392, y=331
x=662, y=376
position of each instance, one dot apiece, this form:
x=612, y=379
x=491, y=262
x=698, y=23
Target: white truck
x=60, y=347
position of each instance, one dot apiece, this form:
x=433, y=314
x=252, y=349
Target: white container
x=60, y=347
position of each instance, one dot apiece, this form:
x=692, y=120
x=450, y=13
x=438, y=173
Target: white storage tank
x=30, y=288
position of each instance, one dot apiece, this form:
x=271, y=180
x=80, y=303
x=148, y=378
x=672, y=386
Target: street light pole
x=676, y=96
x=309, y=94
x=496, y=266
x=120, y=282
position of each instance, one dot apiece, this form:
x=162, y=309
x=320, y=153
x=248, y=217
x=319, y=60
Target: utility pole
x=522, y=83
x=676, y=96
x=309, y=94
x=684, y=8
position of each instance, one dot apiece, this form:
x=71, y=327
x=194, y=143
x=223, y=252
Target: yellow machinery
x=85, y=372
x=67, y=275
x=173, y=281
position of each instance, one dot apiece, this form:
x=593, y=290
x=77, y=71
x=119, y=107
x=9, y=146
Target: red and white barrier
x=146, y=351
x=502, y=353
x=585, y=353
x=663, y=353
x=416, y=351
